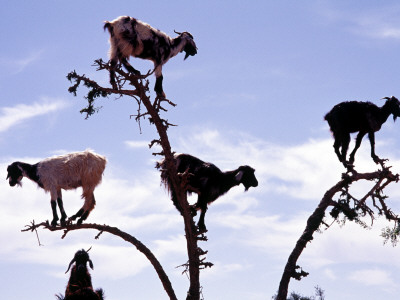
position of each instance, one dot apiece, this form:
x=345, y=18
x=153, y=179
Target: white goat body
x=69, y=171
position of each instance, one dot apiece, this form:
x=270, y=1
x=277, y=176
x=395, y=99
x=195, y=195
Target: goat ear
x=239, y=176
x=70, y=264
x=90, y=264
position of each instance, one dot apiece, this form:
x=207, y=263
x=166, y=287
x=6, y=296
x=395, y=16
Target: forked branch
x=343, y=205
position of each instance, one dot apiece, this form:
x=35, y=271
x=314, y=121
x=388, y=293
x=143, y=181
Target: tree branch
x=115, y=231
x=383, y=177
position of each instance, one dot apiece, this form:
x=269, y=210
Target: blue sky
x=265, y=74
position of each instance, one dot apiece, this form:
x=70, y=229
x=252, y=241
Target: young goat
x=131, y=37
x=361, y=117
x=207, y=181
x=70, y=171
x=80, y=282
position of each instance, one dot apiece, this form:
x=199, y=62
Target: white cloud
x=137, y=144
x=12, y=116
x=377, y=22
x=139, y=205
x=19, y=65
x=373, y=277
x=302, y=171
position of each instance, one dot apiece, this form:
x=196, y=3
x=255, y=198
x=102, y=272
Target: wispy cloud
x=373, y=277
x=137, y=144
x=377, y=22
x=19, y=64
x=12, y=116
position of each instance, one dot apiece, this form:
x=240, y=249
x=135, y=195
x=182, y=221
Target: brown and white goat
x=132, y=37
x=207, y=181
x=70, y=171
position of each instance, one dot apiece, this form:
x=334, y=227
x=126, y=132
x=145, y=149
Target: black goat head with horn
x=394, y=106
x=190, y=47
x=80, y=259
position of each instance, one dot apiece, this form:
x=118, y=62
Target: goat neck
x=228, y=181
x=29, y=171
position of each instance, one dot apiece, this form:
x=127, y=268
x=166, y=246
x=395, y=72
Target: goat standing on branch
x=207, y=181
x=70, y=171
x=362, y=117
x=131, y=37
x=80, y=282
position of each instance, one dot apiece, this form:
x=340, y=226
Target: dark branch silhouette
x=115, y=231
x=351, y=208
x=151, y=111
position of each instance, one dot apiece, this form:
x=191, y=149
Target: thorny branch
x=351, y=209
x=140, y=83
x=152, y=111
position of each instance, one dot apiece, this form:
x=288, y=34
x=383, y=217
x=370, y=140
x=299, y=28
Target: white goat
x=131, y=37
x=70, y=171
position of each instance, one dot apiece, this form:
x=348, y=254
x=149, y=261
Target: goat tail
x=165, y=180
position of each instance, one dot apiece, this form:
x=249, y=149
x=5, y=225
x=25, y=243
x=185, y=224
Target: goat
x=132, y=37
x=79, y=285
x=362, y=117
x=206, y=180
x=70, y=171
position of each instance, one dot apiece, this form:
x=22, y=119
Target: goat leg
x=54, y=209
x=128, y=66
x=78, y=214
x=158, y=88
x=63, y=214
x=375, y=157
x=201, y=224
x=359, y=138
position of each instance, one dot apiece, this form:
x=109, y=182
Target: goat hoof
x=54, y=223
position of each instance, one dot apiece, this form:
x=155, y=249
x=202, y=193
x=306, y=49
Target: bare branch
x=383, y=178
x=115, y=231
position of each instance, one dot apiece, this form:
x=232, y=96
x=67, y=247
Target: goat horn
x=387, y=98
x=88, y=249
x=70, y=264
x=177, y=32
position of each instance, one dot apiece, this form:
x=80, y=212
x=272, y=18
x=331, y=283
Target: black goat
x=132, y=37
x=80, y=282
x=362, y=117
x=207, y=181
